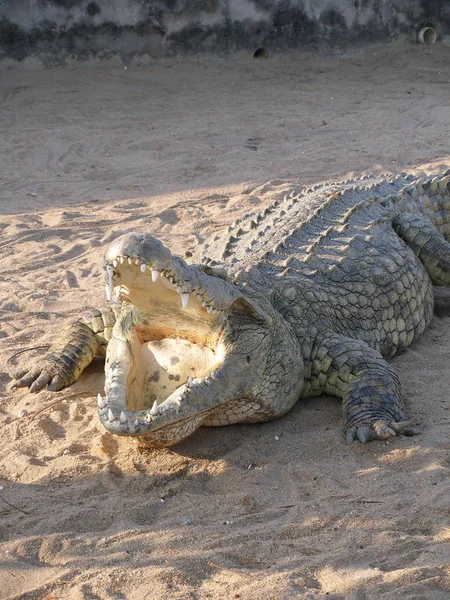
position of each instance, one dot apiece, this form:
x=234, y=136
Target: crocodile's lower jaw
x=160, y=368
x=148, y=387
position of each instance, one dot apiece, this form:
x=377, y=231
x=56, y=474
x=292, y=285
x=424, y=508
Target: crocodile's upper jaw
x=169, y=348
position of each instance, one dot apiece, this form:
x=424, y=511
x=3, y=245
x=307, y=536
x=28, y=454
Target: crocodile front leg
x=74, y=348
x=369, y=388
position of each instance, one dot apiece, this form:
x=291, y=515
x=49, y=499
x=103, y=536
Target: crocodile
x=312, y=295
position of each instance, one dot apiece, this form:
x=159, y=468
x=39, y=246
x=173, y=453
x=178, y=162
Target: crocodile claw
x=363, y=434
x=379, y=430
x=37, y=377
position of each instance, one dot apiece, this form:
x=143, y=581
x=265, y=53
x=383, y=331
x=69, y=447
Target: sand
x=272, y=511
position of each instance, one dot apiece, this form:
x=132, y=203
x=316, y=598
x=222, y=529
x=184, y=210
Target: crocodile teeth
x=121, y=259
x=143, y=268
x=130, y=260
x=123, y=418
x=155, y=275
x=114, y=262
x=137, y=261
x=184, y=299
x=116, y=294
x=111, y=416
x=190, y=382
x=100, y=402
x=209, y=309
x=154, y=409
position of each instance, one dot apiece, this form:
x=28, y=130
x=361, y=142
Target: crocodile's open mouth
x=173, y=336
x=167, y=349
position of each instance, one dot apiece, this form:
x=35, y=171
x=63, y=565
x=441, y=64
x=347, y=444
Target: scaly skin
x=310, y=296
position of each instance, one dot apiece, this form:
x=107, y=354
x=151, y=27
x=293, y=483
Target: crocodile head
x=189, y=348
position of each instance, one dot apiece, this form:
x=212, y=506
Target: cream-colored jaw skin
x=166, y=365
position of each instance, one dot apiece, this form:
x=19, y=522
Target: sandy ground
x=273, y=511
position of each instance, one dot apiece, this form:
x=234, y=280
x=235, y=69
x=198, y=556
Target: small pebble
x=187, y=521
x=23, y=413
x=276, y=438
x=161, y=499
x=66, y=451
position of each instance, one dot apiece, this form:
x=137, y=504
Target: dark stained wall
x=55, y=30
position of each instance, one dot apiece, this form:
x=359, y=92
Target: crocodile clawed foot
x=379, y=430
x=45, y=373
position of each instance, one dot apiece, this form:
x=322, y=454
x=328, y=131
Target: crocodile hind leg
x=74, y=348
x=369, y=388
x=431, y=248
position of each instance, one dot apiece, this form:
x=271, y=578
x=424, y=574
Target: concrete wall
x=56, y=30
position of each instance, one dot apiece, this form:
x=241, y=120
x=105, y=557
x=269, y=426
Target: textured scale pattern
x=314, y=293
